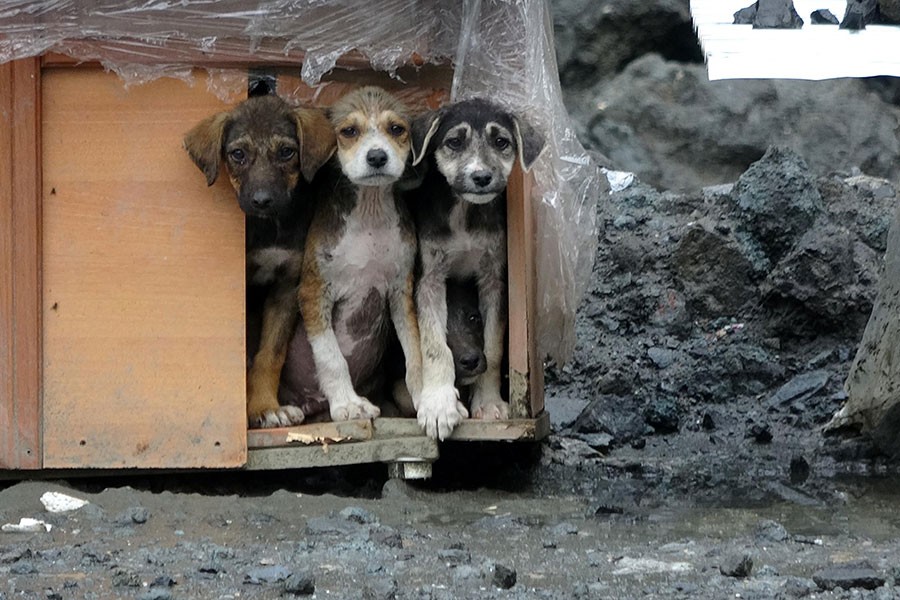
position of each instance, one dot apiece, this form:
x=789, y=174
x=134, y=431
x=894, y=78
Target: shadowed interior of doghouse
x=143, y=314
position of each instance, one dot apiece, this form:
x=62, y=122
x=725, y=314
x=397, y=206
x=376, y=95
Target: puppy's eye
x=237, y=155
x=286, y=153
x=474, y=318
x=397, y=130
x=454, y=143
x=350, y=132
x=501, y=143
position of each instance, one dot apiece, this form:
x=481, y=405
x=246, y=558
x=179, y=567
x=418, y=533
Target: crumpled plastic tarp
x=500, y=49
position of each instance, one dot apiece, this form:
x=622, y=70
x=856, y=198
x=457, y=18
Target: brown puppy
x=358, y=265
x=271, y=151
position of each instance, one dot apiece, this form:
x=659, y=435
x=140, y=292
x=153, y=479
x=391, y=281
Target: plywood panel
x=20, y=375
x=143, y=271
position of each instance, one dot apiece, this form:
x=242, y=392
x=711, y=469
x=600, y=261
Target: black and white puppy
x=468, y=150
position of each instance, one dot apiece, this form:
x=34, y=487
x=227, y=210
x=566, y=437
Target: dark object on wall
x=770, y=14
x=823, y=16
x=860, y=13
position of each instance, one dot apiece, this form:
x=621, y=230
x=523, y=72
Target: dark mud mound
x=719, y=328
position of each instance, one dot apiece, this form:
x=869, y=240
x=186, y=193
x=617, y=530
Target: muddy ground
x=687, y=458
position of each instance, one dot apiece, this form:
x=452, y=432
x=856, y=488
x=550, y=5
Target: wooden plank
x=418, y=448
x=471, y=429
x=143, y=300
x=20, y=276
x=330, y=433
x=526, y=371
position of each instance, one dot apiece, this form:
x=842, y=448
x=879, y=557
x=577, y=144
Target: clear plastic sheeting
x=501, y=49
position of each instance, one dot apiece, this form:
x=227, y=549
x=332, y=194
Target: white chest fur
x=371, y=252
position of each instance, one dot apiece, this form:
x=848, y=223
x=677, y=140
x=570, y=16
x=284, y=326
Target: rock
x=503, y=577
x=769, y=14
x=564, y=409
x=848, y=577
x=380, y=589
x=800, y=387
x=125, y=578
x=715, y=273
x=300, y=583
x=826, y=282
x=760, y=432
x=23, y=567
x=661, y=357
x=615, y=415
x=666, y=122
x=777, y=200
x=595, y=41
x=359, y=515
x=662, y=415
x=823, y=16
x=134, y=515
x=268, y=574
x=860, y=13
x=799, y=470
x=736, y=565
x=454, y=556
x=799, y=587
x=770, y=531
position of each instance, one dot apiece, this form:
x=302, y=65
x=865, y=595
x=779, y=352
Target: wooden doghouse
x=122, y=334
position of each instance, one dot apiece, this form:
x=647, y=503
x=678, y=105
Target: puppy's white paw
x=489, y=407
x=285, y=416
x=353, y=407
x=440, y=411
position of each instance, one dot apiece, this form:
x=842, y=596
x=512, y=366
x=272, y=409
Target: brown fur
x=271, y=151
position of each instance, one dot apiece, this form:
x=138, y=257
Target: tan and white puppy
x=357, y=277
x=469, y=149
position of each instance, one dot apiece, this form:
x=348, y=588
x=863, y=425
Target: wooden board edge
x=419, y=449
x=20, y=265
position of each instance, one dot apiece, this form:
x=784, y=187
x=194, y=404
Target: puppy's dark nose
x=482, y=178
x=261, y=200
x=470, y=361
x=376, y=157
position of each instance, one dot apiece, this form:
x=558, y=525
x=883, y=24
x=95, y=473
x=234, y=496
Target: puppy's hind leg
x=486, y=400
x=406, y=324
x=332, y=371
x=278, y=322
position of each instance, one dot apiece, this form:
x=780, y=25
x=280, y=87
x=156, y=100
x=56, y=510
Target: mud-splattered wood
x=358, y=430
x=418, y=448
x=526, y=371
x=143, y=281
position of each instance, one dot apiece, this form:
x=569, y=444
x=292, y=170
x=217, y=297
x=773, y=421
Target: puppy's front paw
x=489, y=407
x=284, y=416
x=353, y=407
x=440, y=411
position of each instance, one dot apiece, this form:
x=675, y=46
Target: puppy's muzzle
x=376, y=158
x=482, y=179
x=261, y=200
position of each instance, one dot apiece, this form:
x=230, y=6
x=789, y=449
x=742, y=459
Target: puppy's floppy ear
x=421, y=131
x=317, y=141
x=531, y=143
x=204, y=144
